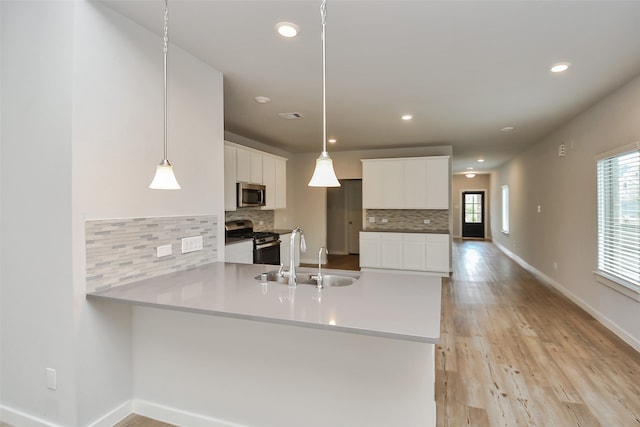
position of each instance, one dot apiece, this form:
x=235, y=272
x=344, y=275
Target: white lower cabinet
x=405, y=251
x=241, y=252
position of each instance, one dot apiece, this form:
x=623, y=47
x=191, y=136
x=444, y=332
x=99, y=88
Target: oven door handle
x=268, y=244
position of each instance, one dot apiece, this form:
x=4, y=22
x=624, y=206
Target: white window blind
x=619, y=216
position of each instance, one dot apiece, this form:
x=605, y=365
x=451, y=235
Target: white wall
x=85, y=110
x=37, y=304
x=565, y=231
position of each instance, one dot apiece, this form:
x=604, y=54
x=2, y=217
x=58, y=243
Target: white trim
x=15, y=417
x=617, y=284
x=18, y=418
x=634, y=146
x=608, y=323
x=177, y=416
x=114, y=416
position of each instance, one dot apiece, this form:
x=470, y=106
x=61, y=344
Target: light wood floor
x=515, y=352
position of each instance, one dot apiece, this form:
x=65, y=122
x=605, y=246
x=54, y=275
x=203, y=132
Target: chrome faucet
x=319, y=276
x=293, y=280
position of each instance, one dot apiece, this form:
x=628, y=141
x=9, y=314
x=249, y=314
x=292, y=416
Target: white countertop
x=385, y=304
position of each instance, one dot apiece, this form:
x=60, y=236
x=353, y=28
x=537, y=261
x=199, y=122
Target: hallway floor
x=515, y=352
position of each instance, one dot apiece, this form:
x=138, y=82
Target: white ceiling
x=463, y=69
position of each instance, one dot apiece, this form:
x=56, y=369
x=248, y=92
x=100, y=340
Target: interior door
x=354, y=206
x=473, y=216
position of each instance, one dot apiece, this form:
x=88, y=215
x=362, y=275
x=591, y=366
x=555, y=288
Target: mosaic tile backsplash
x=121, y=251
x=254, y=214
x=407, y=220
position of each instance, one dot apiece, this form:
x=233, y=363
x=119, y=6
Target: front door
x=473, y=214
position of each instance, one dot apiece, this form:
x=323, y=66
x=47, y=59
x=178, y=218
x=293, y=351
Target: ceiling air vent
x=290, y=116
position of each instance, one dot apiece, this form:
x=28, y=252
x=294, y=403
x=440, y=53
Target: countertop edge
x=286, y=322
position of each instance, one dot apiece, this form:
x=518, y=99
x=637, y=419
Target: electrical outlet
x=384, y=220
x=191, y=244
x=164, y=251
x=51, y=379
x=427, y=221
x=539, y=208
x=555, y=266
x=372, y=219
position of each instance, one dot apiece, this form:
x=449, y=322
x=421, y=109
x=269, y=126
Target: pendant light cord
x=164, y=93
x=323, y=13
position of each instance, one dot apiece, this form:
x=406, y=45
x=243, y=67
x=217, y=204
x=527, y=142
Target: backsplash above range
x=256, y=215
x=407, y=220
x=121, y=251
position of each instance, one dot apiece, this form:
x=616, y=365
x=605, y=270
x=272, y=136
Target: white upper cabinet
x=242, y=164
x=437, y=179
x=406, y=183
x=256, y=168
x=281, y=183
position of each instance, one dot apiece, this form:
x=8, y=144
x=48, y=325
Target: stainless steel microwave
x=251, y=195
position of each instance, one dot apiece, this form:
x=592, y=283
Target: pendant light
x=324, y=175
x=164, y=178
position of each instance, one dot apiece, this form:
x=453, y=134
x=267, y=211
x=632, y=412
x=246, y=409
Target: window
x=473, y=208
x=619, y=218
x=505, y=209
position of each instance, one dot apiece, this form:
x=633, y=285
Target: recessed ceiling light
x=470, y=168
x=262, y=99
x=407, y=117
x=287, y=29
x=470, y=175
x=560, y=67
x=332, y=140
x=507, y=129
x=480, y=160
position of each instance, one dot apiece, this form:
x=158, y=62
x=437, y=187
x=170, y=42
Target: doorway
x=473, y=214
x=344, y=217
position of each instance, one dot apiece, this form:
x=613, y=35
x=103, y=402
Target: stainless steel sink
x=308, y=278
x=332, y=280
x=273, y=276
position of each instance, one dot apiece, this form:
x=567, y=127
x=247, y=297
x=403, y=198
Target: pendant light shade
x=164, y=178
x=324, y=175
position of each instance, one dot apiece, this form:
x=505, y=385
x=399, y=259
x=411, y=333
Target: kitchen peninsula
x=266, y=354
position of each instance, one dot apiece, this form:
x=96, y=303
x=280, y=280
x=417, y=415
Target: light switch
x=372, y=219
x=191, y=244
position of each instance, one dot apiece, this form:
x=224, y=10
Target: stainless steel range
x=266, y=244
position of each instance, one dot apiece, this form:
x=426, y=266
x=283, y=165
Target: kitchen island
x=214, y=346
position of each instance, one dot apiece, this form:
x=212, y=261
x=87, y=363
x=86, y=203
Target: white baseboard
x=177, y=416
x=17, y=418
x=113, y=417
x=608, y=323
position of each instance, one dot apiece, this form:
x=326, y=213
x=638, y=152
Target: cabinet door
x=269, y=180
x=391, y=254
x=256, y=168
x=438, y=183
x=437, y=253
x=414, y=250
x=370, y=249
x=243, y=165
x=230, y=193
x=393, y=184
x=372, y=184
x=415, y=187
x=281, y=184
